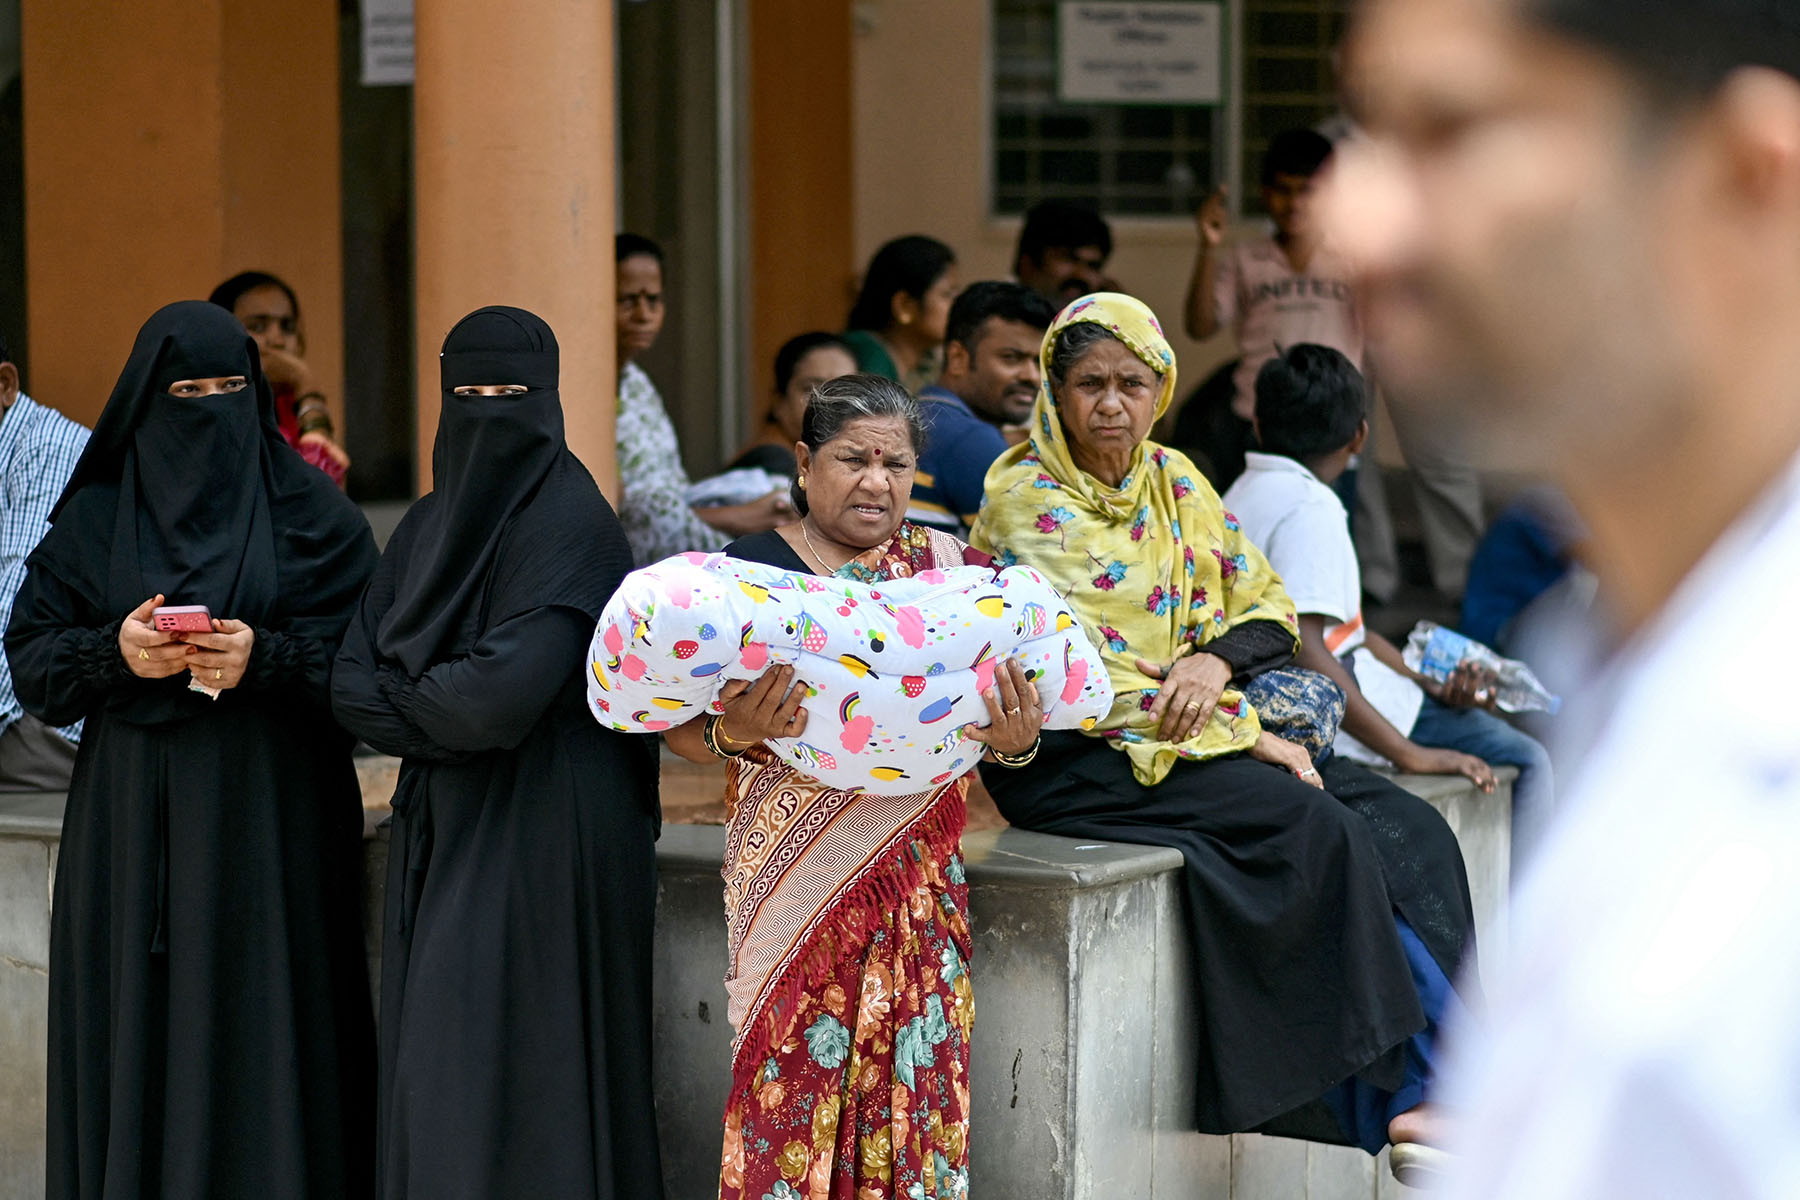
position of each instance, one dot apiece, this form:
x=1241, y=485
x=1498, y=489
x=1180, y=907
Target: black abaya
x=516, y=951
x=210, y=1033
x=1300, y=976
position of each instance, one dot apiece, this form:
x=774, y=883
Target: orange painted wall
x=283, y=195
x=513, y=163
x=157, y=163
x=802, y=185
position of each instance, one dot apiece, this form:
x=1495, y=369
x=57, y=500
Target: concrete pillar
x=167, y=147
x=513, y=175
x=802, y=178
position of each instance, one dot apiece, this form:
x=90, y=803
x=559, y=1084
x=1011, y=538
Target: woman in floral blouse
x=654, y=509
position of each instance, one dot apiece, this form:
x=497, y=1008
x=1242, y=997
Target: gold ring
x=1191, y=706
x=1013, y=712
x=143, y=654
x=219, y=674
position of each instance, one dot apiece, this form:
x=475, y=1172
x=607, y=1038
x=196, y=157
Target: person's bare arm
x=688, y=740
x=1201, y=310
x=1366, y=725
x=1388, y=655
x=741, y=520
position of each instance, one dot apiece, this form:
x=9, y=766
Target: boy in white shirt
x=1311, y=407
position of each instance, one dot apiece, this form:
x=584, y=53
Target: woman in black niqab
x=210, y=1030
x=515, y=975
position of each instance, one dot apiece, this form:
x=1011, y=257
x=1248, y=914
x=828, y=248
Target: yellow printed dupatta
x=1155, y=567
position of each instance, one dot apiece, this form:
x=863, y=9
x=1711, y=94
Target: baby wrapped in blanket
x=893, y=671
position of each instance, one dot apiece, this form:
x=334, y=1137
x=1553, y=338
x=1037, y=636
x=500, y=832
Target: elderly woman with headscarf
x=1324, y=926
x=515, y=990
x=209, y=1005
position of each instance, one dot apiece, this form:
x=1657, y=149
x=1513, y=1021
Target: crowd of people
x=208, y=768
x=213, y=773
x=199, y=628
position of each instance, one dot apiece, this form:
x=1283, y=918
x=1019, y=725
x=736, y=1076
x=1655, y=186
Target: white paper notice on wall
x=1113, y=52
x=387, y=42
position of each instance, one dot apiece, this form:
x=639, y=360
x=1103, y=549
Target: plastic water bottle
x=1435, y=652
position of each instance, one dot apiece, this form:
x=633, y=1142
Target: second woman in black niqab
x=210, y=1032
x=515, y=989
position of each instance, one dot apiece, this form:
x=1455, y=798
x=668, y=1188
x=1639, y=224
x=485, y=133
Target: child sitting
x=1311, y=417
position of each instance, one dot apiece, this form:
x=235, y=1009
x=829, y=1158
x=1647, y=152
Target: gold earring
x=802, y=482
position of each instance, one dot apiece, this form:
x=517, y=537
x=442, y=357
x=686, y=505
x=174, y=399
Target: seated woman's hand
x=741, y=520
x=769, y=707
x=1280, y=752
x=220, y=658
x=1016, y=714
x=1191, y=687
x=149, y=653
x=331, y=449
x=286, y=371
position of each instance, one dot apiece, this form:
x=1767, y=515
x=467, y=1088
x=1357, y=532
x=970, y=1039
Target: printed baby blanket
x=894, y=670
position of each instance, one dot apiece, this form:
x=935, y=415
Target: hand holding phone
x=182, y=618
x=220, y=658
x=149, y=652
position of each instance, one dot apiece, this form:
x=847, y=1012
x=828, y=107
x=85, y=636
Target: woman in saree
x=849, y=933
x=1328, y=907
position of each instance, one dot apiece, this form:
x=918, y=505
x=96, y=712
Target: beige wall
x=156, y=164
x=921, y=162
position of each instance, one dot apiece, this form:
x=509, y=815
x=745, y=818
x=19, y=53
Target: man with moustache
x=989, y=380
x=1062, y=251
x=1583, y=216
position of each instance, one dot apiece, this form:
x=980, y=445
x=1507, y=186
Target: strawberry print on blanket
x=894, y=670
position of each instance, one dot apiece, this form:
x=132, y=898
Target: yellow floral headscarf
x=1154, y=567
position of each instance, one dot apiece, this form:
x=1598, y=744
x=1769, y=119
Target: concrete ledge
x=1084, y=1051
x=32, y=814
x=1084, y=1059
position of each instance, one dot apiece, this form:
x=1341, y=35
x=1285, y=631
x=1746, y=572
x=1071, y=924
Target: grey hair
x=835, y=403
x=1072, y=345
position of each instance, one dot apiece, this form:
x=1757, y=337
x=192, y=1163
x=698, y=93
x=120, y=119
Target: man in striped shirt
x=38, y=449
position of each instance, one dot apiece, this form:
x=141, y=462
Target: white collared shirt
x=1646, y=1041
x=1299, y=524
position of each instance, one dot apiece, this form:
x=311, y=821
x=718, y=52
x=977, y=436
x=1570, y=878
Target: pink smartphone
x=182, y=618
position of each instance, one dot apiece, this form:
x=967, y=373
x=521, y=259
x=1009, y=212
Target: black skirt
x=1301, y=978
x=210, y=1032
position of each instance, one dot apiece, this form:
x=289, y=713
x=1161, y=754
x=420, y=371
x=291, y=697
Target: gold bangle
x=719, y=730
x=1019, y=760
x=710, y=735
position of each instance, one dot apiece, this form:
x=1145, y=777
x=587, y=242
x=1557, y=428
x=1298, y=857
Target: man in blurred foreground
x=1584, y=217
